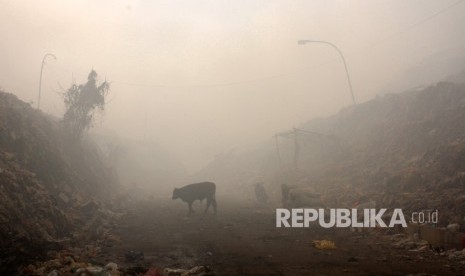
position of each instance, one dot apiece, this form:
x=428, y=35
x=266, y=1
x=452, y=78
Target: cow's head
x=175, y=193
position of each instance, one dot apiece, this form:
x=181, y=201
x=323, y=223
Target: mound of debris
x=402, y=150
x=51, y=190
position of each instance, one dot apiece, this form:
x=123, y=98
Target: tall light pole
x=40, y=79
x=304, y=41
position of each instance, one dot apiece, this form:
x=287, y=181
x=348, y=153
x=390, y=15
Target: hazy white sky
x=204, y=77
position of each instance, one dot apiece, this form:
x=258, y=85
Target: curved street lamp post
x=305, y=41
x=40, y=79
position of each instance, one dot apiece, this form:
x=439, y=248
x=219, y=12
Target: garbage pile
x=81, y=262
x=403, y=150
x=52, y=192
x=399, y=151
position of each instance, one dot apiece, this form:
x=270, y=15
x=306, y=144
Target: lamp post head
x=52, y=55
x=304, y=41
x=48, y=55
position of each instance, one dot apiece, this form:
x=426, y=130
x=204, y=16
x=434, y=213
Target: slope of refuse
x=403, y=150
x=53, y=192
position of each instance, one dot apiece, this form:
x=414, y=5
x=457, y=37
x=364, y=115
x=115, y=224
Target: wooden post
x=296, y=150
x=278, y=153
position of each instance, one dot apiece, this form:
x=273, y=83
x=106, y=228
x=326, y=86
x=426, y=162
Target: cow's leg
x=209, y=201
x=214, y=205
x=190, y=207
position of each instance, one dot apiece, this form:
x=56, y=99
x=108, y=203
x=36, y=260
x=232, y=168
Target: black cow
x=197, y=191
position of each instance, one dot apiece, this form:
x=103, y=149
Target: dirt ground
x=242, y=240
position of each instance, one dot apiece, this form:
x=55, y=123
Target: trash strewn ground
x=53, y=193
x=60, y=217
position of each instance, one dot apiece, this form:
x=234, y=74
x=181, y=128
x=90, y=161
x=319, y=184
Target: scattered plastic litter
x=324, y=244
x=195, y=271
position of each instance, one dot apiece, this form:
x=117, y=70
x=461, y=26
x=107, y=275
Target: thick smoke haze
x=204, y=77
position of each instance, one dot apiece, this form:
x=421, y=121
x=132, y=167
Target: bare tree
x=81, y=103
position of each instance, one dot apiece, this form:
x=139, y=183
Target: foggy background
x=200, y=78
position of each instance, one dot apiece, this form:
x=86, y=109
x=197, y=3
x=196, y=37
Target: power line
x=219, y=84
x=292, y=73
x=234, y=83
x=415, y=24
